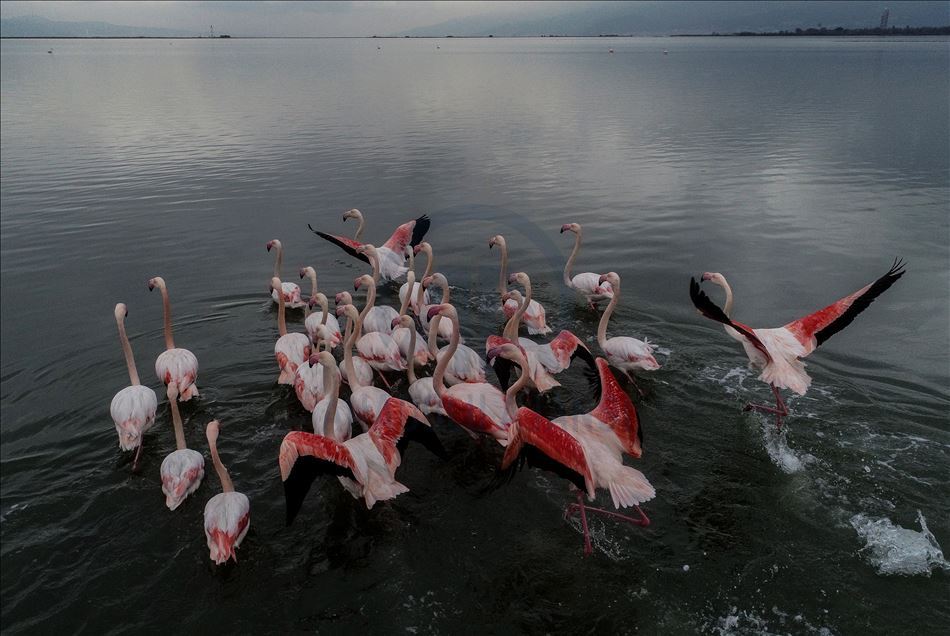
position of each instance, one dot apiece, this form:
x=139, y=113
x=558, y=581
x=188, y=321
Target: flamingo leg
x=780, y=410
x=135, y=460
x=643, y=520
x=634, y=383
x=385, y=381
x=588, y=549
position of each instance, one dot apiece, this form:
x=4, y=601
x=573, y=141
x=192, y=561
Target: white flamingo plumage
x=379, y=350
x=291, y=349
x=375, y=318
x=423, y=298
x=587, y=283
x=410, y=292
x=366, y=400
x=421, y=390
x=778, y=352
x=290, y=291
x=174, y=364
x=227, y=514
x=390, y=263
x=133, y=408
x=623, y=352
x=534, y=316
x=341, y=427
x=183, y=469
x=313, y=320
x=557, y=354
x=404, y=333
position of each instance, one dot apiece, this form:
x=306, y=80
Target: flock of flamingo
x=585, y=449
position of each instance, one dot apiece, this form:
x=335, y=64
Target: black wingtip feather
x=419, y=229
x=306, y=469
x=502, y=368
x=418, y=432
x=864, y=301
x=584, y=354
x=343, y=246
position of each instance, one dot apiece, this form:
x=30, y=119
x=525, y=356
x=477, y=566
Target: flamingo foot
x=580, y=507
x=780, y=410
x=135, y=460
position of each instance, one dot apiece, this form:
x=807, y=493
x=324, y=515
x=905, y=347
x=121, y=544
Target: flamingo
x=587, y=283
x=534, y=316
x=379, y=350
x=366, y=464
x=183, y=468
x=625, y=353
x=581, y=448
x=538, y=377
x=556, y=355
x=423, y=301
x=477, y=407
x=228, y=513
x=778, y=352
x=366, y=400
x=362, y=371
x=389, y=262
x=374, y=319
x=341, y=425
x=132, y=408
x=290, y=291
x=308, y=380
x=404, y=333
x=174, y=364
x=291, y=349
x=325, y=318
x=410, y=292
x=465, y=365
x=420, y=389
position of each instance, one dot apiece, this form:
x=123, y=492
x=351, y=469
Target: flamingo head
x=325, y=358
x=713, y=277
x=514, y=295
x=158, y=281
x=367, y=249
x=440, y=310
x=343, y=298
x=520, y=278
x=423, y=246
x=314, y=359
x=317, y=299
x=508, y=350
x=571, y=227
x=307, y=271
x=273, y=244
x=402, y=321
x=352, y=214
x=609, y=277
x=347, y=310
x=426, y=282
x=498, y=239
x=121, y=311
x=211, y=432
x=365, y=279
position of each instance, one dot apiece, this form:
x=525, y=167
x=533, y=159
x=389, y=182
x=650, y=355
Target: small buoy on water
x=378, y=48
x=50, y=51
x=665, y=51
x=610, y=50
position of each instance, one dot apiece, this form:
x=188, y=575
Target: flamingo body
x=478, y=408
x=308, y=384
x=379, y=319
x=342, y=419
x=133, y=411
x=179, y=366
x=534, y=318
x=227, y=519
x=630, y=354
x=414, y=303
x=464, y=367
x=291, y=350
x=587, y=284
x=312, y=325
x=292, y=297
x=424, y=396
x=380, y=351
x=181, y=472
x=420, y=355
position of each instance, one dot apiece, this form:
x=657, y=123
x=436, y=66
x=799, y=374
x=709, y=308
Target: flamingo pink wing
x=347, y=244
x=390, y=425
x=617, y=411
x=553, y=441
x=410, y=233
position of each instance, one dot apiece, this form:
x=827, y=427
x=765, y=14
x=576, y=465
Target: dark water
x=798, y=168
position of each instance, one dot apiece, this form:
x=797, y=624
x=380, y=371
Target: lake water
x=799, y=168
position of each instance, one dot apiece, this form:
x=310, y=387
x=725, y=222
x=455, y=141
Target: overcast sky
x=339, y=18
x=278, y=18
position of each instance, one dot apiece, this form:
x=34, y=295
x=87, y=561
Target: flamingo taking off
x=584, y=449
x=174, y=364
x=183, y=469
x=623, y=352
x=534, y=318
x=227, y=514
x=778, y=352
x=133, y=408
x=588, y=283
x=291, y=349
x=390, y=260
x=290, y=291
x=366, y=464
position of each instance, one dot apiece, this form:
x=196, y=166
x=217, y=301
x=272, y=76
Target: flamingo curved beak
x=493, y=353
x=565, y=228
x=433, y=311
x=314, y=359
x=151, y=285
x=269, y=245
x=602, y=279
x=395, y=322
x=417, y=249
x=356, y=284
x=513, y=279
x=706, y=276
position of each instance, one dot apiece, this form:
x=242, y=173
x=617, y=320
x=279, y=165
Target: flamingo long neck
x=510, y=403
x=511, y=328
x=127, y=350
x=429, y=261
x=446, y=297
x=503, y=275
x=370, y=301
x=570, y=261
x=420, y=294
x=176, y=422
x=312, y=274
x=348, y=341
x=226, y=484
x=602, y=327
x=331, y=382
x=411, y=366
x=324, y=305
x=359, y=228
x=167, y=312
x=437, y=382
x=374, y=261
x=279, y=260
x=281, y=313
x=410, y=282
x=411, y=255
x=728, y=306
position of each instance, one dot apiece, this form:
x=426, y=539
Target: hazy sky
x=278, y=18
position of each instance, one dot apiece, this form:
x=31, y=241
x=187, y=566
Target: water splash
x=893, y=549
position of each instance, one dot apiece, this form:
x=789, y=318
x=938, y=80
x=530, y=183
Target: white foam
x=777, y=447
x=893, y=549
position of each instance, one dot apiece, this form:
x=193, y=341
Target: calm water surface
x=798, y=168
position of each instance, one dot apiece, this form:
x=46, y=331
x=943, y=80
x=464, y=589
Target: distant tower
x=884, y=18
x=212, y=30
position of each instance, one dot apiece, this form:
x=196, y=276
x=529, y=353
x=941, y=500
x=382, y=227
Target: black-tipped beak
x=433, y=311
